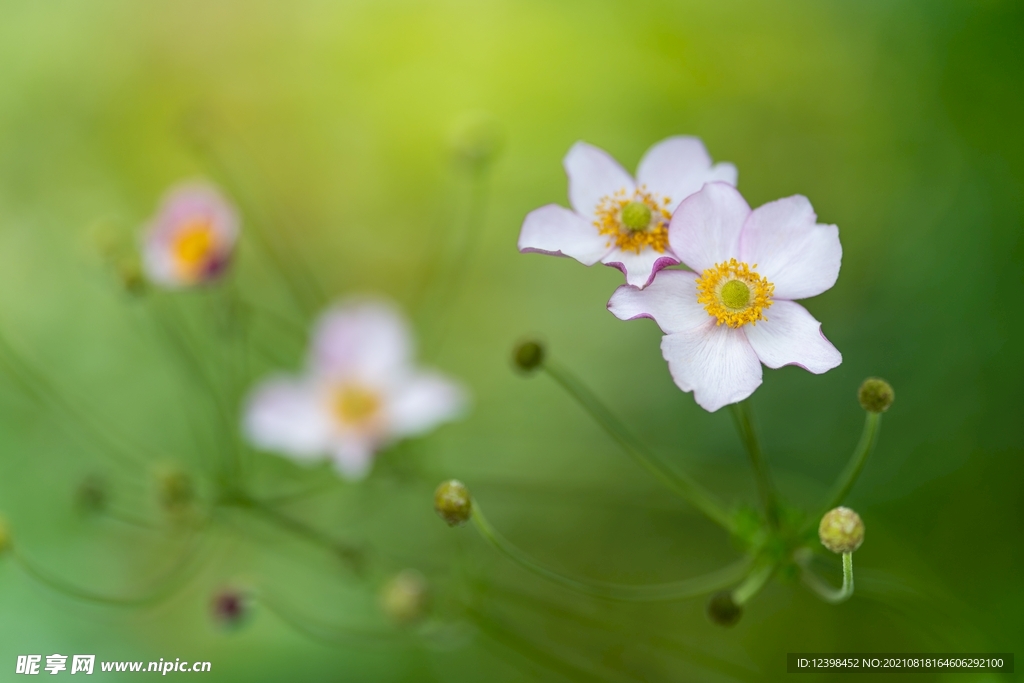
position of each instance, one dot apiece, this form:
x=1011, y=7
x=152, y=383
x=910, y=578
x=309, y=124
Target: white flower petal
x=424, y=401
x=706, y=226
x=715, y=362
x=364, y=339
x=555, y=230
x=795, y=253
x=641, y=268
x=286, y=415
x=352, y=457
x=678, y=167
x=671, y=301
x=593, y=174
x=791, y=336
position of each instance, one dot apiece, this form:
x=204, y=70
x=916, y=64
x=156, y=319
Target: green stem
x=677, y=590
x=329, y=634
x=868, y=439
x=823, y=590
x=753, y=584
x=766, y=489
x=680, y=483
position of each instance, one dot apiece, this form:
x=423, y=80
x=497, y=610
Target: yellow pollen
x=619, y=216
x=354, y=405
x=193, y=246
x=734, y=294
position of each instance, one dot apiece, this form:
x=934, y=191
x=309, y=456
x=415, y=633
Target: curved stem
x=329, y=634
x=680, y=483
x=677, y=590
x=752, y=585
x=766, y=489
x=868, y=439
x=822, y=589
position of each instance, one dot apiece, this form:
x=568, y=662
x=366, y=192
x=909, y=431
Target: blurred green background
x=331, y=124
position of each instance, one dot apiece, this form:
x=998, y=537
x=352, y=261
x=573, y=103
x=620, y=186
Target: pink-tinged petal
x=706, y=226
x=791, y=336
x=715, y=362
x=423, y=402
x=558, y=231
x=798, y=255
x=593, y=174
x=671, y=301
x=287, y=416
x=352, y=457
x=365, y=339
x=678, y=167
x=641, y=268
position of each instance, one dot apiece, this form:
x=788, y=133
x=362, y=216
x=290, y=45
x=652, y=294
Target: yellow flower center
x=355, y=405
x=193, y=247
x=734, y=294
x=634, y=220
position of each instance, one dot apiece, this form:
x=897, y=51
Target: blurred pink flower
x=618, y=221
x=192, y=237
x=361, y=392
x=745, y=263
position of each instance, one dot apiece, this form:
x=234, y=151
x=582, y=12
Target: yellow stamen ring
x=193, y=248
x=734, y=294
x=355, y=405
x=634, y=220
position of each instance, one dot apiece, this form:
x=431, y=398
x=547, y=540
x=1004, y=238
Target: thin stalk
x=678, y=482
x=825, y=591
x=868, y=439
x=752, y=585
x=329, y=634
x=677, y=590
x=766, y=489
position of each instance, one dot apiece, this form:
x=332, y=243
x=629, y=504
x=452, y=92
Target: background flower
x=618, y=221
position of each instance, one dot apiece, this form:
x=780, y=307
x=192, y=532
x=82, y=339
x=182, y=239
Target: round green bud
x=528, y=356
x=129, y=272
x=476, y=139
x=735, y=294
x=175, y=490
x=92, y=495
x=841, y=530
x=453, y=503
x=636, y=216
x=406, y=597
x=875, y=395
x=723, y=610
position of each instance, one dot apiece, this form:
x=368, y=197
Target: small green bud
x=636, y=216
x=175, y=490
x=723, y=610
x=5, y=536
x=528, y=356
x=841, y=530
x=92, y=495
x=476, y=139
x=453, y=503
x=129, y=273
x=875, y=395
x=406, y=597
x=230, y=607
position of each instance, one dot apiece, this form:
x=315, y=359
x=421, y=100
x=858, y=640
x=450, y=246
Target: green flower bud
x=453, y=503
x=175, y=490
x=92, y=495
x=129, y=273
x=875, y=395
x=476, y=139
x=723, y=610
x=406, y=597
x=528, y=355
x=841, y=530
x=5, y=536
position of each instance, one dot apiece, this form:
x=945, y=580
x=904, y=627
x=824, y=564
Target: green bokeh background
x=332, y=123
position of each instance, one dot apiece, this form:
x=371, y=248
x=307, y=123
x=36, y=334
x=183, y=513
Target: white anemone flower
x=617, y=220
x=737, y=309
x=191, y=239
x=360, y=394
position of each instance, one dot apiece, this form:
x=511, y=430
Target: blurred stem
x=678, y=482
x=868, y=439
x=744, y=420
x=677, y=590
x=329, y=634
x=822, y=589
x=753, y=584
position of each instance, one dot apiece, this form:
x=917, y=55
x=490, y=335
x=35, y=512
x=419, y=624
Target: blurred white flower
x=361, y=392
x=736, y=310
x=618, y=221
x=192, y=237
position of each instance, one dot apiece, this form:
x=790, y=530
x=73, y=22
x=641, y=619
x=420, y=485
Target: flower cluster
x=735, y=308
